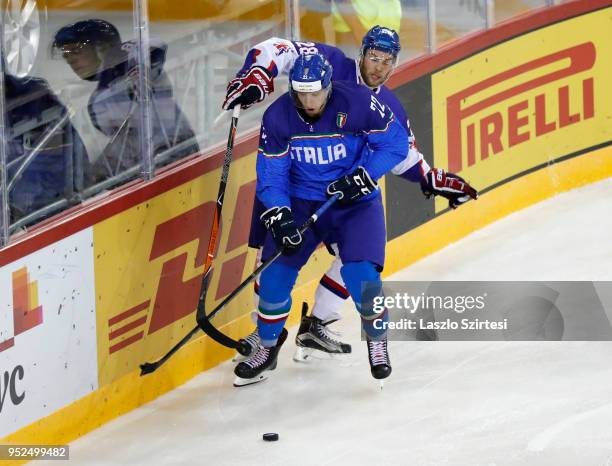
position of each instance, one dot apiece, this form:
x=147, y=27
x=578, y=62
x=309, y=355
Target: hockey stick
x=204, y=320
x=217, y=213
x=147, y=368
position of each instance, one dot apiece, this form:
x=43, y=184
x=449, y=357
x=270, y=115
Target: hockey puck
x=270, y=437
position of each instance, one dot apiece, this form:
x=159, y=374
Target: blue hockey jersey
x=278, y=55
x=300, y=159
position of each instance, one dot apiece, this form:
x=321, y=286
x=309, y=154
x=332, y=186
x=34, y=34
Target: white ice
x=446, y=403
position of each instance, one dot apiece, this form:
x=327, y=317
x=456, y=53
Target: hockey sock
x=375, y=326
x=364, y=284
x=330, y=294
x=271, y=321
x=257, y=279
x=274, y=302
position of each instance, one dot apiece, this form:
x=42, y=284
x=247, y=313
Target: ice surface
x=446, y=403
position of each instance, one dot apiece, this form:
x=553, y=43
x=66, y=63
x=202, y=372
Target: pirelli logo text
x=489, y=117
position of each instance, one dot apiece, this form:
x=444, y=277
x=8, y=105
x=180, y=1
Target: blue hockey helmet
x=310, y=73
x=89, y=31
x=383, y=39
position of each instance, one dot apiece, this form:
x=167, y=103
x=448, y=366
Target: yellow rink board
x=523, y=103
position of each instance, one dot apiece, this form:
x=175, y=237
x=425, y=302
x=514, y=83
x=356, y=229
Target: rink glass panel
x=70, y=135
x=68, y=129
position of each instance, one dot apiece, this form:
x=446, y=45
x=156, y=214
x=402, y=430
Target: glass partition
x=506, y=9
x=206, y=43
x=343, y=23
x=454, y=18
x=69, y=103
x=97, y=93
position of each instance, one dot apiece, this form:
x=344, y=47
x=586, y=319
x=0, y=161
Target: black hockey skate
x=314, y=335
x=380, y=365
x=253, y=340
x=254, y=369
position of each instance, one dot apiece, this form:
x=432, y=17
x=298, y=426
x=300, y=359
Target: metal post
x=292, y=19
x=489, y=13
x=431, y=27
x=201, y=87
x=211, y=108
x=145, y=132
x=4, y=199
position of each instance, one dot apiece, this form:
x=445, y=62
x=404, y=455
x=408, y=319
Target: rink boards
x=93, y=294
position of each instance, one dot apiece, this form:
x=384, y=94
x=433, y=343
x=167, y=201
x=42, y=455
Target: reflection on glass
x=47, y=161
x=21, y=21
x=206, y=45
x=95, y=52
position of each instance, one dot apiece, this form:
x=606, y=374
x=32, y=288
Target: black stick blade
x=147, y=368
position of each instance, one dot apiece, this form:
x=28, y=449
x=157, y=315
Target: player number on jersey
x=375, y=105
x=306, y=48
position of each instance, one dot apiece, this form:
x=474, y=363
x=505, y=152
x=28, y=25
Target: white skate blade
x=302, y=354
x=240, y=382
x=381, y=384
x=305, y=355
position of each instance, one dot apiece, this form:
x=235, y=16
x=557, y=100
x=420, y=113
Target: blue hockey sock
x=271, y=320
x=363, y=282
x=375, y=327
x=274, y=302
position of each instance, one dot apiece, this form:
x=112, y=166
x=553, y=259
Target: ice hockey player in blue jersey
x=378, y=57
x=319, y=140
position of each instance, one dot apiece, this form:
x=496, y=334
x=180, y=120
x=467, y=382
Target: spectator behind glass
x=94, y=51
x=59, y=167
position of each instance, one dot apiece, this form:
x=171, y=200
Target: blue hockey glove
x=279, y=221
x=248, y=89
x=437, y=182
x=353, y=187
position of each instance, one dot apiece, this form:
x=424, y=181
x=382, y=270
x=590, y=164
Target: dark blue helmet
x=310, y=73
x=383, y=39
x=89, y=31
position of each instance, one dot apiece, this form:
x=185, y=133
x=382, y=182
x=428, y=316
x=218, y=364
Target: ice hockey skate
x=314, y=339
x=255, y=369
x=378, y=355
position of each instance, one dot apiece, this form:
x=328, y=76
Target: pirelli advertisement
x=514, y=108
